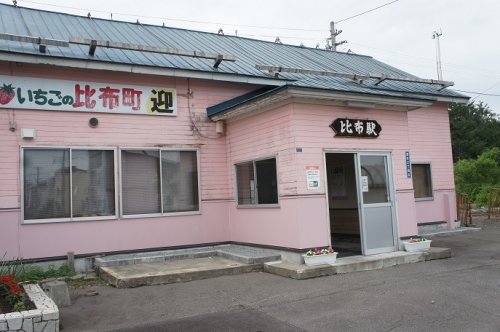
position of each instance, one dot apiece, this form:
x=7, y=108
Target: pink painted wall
x=430, y=141
x=71, y=129
x=300, y=221
x=312, y=132
x=288, y=127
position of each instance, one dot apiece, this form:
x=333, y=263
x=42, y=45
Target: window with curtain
x=422, y=180
x=68, y=183
x=257, y=182
x=158, y=181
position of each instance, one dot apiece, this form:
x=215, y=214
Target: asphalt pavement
x=461, y=293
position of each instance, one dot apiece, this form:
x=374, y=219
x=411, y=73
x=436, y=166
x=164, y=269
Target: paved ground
x=457, y=294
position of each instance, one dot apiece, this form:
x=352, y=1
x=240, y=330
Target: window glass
x=267, y=186
x=422, y=183
x=246, y=183
x=140, y=181
x=257, y=182
x=374, y=172
x=93, y=185
x=179, y=181
x=46, y=184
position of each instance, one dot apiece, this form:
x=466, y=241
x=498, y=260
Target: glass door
x=376, y=202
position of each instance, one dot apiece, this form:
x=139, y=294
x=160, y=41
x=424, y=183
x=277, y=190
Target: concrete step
x=433, y=227
x=456, y=231
x=239, y=253
x=135, y=275
x=355, y=263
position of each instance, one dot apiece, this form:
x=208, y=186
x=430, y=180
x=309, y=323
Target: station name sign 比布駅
x=80, y=96
x=356, y=128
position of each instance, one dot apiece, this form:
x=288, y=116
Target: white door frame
x=391, y=191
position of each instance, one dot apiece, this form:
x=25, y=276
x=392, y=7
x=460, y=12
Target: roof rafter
x=356, y=77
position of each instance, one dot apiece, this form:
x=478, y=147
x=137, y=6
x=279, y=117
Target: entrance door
x=376, y=201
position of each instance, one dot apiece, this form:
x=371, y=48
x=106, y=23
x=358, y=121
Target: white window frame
x=71, y=218
x=256, y=205
x=161, y=214
x=431, y=184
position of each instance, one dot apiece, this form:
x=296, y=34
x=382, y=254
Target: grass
x=36, y=273
x=33, y=273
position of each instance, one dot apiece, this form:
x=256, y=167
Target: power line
x=477, y=93
x=482, y=93
x=172, y=19
x=366, y=12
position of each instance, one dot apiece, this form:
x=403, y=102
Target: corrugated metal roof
x=249, y=52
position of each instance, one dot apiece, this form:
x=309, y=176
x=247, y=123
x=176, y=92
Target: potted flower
x=11, y=294
x=24, y=307
x=417, y=244
x=319, y=256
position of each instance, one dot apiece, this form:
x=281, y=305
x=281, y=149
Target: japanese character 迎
x=162, y=101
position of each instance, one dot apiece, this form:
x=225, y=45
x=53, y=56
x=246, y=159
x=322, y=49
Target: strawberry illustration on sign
x=7, y=93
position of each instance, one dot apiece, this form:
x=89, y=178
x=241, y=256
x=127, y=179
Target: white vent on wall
x=28, y=133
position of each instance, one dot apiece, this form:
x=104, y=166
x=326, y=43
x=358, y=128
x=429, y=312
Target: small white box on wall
x=28, y=133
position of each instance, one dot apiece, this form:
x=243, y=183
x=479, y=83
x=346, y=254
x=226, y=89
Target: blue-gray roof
x=249, y=52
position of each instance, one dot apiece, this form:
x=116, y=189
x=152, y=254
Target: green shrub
x=24, y=272
x=475, y=177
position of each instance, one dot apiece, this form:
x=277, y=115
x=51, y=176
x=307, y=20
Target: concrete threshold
x=355, y=263
x=456, y=231
x=135, y=275
x=199, y=264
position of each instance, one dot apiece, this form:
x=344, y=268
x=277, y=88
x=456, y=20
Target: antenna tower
x=436, y=36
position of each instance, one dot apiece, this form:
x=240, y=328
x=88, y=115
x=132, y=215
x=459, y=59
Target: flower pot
x=417, y=246
x=45, y=317
x=320, y=259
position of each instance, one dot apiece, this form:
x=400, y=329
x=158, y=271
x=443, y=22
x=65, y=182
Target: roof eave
x=299, y=94
x=136, y=69
x=452, y=99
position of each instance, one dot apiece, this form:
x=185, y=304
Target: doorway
x=343, y=204
x=361, y=205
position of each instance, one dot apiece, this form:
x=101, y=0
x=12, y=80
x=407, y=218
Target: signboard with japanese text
x=408, y=164
x=356, y=128
x=81, y=96
x=312, y=176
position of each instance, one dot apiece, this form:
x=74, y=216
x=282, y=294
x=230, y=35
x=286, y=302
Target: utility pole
x=436, y=36
x=333, y=36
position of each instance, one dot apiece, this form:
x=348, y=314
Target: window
x=422, y=182
x=257, y=182
x=68, y=183
x=159, y=181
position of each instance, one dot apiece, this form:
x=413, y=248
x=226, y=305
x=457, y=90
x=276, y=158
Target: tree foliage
x=474, y=129
x=476, y=177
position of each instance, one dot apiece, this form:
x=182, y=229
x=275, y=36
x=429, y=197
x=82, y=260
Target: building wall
x=71, y=129
x=268, y=135
x=312, y=133
x=306, y=126
x=430, y=142
x=298, y=134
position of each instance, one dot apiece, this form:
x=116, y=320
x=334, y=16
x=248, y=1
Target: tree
x=474, y=129
x=476, y=177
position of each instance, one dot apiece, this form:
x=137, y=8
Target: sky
x=399, y=33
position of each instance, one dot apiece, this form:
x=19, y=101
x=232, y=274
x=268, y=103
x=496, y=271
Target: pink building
x=123, y=137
